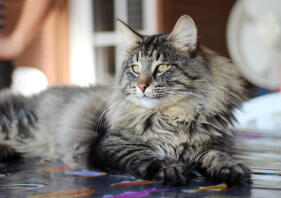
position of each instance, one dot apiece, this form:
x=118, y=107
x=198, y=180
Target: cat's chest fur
x=169, y=132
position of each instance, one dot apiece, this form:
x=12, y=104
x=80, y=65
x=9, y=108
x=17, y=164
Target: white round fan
x=254, y=40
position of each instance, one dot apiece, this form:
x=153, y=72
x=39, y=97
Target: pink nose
x=143, y=87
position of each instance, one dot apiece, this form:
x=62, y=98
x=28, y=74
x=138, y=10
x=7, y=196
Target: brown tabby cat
x=168, y=116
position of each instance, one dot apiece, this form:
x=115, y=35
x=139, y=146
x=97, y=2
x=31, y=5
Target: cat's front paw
x=174, y=175
x=232, y=173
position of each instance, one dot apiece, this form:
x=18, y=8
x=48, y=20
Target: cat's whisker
x=183, y=90
x=120, y=105
x=108, y=109
x=114, y=96
x=120, y=93
x=189, y=93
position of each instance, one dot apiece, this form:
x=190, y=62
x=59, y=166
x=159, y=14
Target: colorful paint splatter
x=21, y=187
x=85, y=173
x=219, y=187
x=136, y=194
x=132, y=183
x=65, y=194
x=55, y=169
x=248, y=136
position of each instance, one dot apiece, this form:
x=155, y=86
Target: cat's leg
x=16, y=121
x=138, y=159
x=220, y=167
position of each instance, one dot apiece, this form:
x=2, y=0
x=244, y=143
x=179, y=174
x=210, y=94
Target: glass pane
x=135, y=12
x=105, y=63
x=103, y=15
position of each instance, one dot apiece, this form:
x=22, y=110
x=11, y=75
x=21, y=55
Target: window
x=94, y=52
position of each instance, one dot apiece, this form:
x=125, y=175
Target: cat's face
x=161, y=69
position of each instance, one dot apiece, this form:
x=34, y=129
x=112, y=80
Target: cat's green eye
x=136, y=69
x=161, y=68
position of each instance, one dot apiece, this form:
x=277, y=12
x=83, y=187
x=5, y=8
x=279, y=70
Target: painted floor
x=36, y=178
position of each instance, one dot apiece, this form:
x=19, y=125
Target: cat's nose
x=143, y=87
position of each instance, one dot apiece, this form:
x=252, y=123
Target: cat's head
x=164, y=69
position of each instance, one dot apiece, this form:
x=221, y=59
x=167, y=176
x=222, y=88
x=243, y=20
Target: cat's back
x=59, y=106
x=67, y=94
x=57, y=98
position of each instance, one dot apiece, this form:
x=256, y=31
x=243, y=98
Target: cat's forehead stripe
x=160, y=56
x=148, y=45
x=150, y=40
x=139, y=55
x=149, y=48
x=154, y=55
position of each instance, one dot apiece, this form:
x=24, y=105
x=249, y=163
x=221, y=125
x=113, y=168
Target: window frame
x=83, y=39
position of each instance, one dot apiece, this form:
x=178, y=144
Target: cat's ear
x=184, y=34
x=129, y=37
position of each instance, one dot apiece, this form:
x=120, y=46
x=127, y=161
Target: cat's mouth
x=147, y=99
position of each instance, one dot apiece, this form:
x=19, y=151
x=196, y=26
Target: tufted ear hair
x=129, y=37
x=184, y=34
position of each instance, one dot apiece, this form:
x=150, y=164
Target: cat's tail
x=16, y=122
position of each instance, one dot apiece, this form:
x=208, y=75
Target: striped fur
x=178, y=125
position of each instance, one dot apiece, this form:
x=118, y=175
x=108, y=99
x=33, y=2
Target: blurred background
x=77, y=42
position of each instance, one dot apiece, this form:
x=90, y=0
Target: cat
x=168, y=116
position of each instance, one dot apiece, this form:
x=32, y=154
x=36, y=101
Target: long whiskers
x=119, y=106
x=116, y=95
x=186, y=91
x=122, y=100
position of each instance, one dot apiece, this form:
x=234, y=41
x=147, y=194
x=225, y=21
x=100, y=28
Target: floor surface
x=37, y=178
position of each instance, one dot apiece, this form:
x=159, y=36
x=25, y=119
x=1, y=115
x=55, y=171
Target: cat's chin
x=148, y=103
